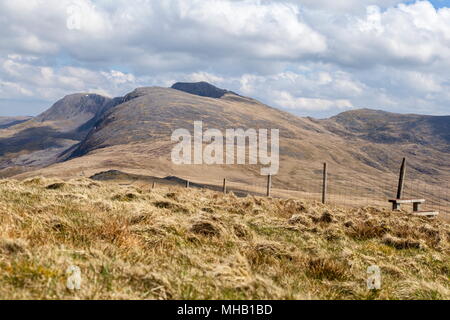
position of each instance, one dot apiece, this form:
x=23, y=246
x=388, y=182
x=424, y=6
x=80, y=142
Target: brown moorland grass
x=175, y=243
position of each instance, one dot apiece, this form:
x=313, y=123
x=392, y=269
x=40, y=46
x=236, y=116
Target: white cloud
x=346, y=6
x=313, y=55
x=205, y=76
x=20, y=79
x=119, y=78
x=293, y=90
x=413, y=35
x=12, y=90
x=285, y=99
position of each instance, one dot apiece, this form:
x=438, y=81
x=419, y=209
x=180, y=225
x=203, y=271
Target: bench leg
x=395, y=206
x=416, y=206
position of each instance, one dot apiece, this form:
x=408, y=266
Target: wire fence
x=437, y=195
x=341, y=191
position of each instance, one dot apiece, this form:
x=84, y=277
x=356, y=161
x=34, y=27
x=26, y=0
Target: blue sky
x=309, y=57
x=438, y=3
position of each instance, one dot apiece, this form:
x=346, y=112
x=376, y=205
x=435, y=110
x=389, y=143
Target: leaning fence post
x=324, y=183
x=225, y=186
x=269, y=184
x=401, y=179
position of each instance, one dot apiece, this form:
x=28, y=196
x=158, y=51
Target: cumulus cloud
x=415, y=35
x=23, y=79
x=311, y=57
x=352, y=6
x=286, y=99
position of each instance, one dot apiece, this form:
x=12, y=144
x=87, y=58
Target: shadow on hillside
x=31, y=139
x=116, y=175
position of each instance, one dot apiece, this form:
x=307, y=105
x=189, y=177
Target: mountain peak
x=203, y=89
x=73, y=106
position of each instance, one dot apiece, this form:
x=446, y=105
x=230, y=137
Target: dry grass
x=173, y=243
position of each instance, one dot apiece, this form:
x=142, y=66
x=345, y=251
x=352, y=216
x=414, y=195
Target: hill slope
x=132, y=134
x=133, y=243
x=140, y=128
x=6, y=122
x=391, y=128
x=152, y=114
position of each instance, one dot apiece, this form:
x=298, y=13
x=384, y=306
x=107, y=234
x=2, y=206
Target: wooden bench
x=396, y=203
x=428, y=214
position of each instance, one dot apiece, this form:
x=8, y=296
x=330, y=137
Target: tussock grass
x=325, y=268
x=175, y=243
x=401, y=243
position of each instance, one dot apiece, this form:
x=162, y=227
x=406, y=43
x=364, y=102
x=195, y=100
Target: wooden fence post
x=154, y=185
x=401, y=179
x=225, y=186
x=324, y=183
x=188, y=184
x=269, y=184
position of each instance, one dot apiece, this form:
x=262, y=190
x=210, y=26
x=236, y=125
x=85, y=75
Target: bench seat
x=405, y=201
x=426, y=213
x=396, y=203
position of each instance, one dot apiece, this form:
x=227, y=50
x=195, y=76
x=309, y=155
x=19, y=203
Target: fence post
x=225, y=186
x=154, y=185
x=401, y=179
x=325, y=183
x=269, y=184
x=187, y=184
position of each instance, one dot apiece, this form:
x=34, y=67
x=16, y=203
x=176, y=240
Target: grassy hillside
x=176, y=243
x=83, y=135
x=135, y=137
x=6, y=122
x=392, y=128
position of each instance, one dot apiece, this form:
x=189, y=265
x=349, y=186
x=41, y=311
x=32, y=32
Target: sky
x=309, y=57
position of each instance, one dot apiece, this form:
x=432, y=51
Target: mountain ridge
x=132, y=134
x=387, y=127
x=6, y=122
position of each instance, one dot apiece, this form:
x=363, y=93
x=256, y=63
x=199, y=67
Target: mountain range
x=84, y=134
